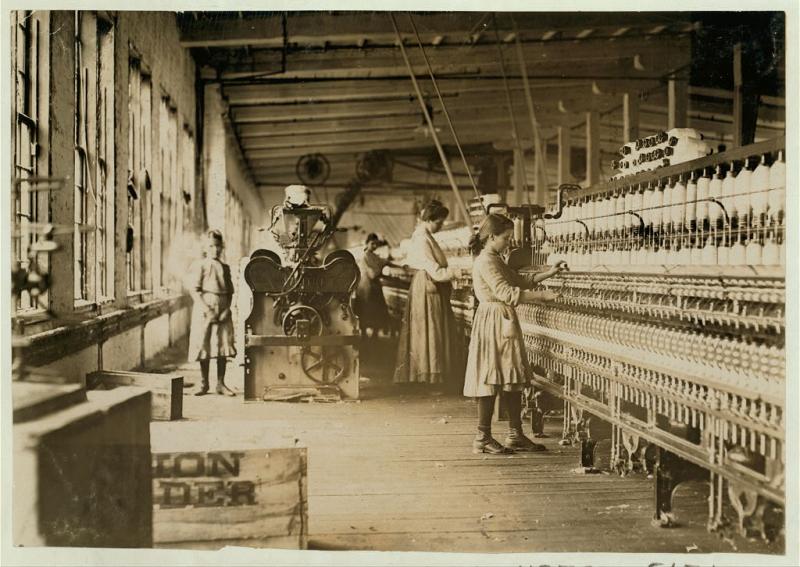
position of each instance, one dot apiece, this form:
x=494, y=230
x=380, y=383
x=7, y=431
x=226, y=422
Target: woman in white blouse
x=429, y=343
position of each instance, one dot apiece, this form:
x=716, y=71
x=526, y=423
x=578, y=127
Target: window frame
x=139, y=261
x=29, y=204
x=105, y=171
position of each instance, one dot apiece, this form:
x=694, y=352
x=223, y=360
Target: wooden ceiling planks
x=215, y=29
x=593, y=57
x=335, y=82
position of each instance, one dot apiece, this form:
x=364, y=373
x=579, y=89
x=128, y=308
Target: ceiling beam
x=320, y=111
x=602, y=56
x=386, y=89
x=463, y=118
x=600, y=67
x=475, y=114
x=354, y=147
x=384, y=109
x=317, y=28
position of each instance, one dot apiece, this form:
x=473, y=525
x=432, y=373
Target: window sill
x=83, y=306
x=93, y=327
x=27, y=319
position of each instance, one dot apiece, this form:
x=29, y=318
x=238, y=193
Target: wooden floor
x=395, y=472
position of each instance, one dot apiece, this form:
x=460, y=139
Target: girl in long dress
x=370, y=305
x=428, y=347
x=496, y=362
x=211, y=331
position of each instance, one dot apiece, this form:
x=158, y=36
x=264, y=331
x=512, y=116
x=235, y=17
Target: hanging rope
x=444, y=107
x=517, y=140
x=429, y=120
x=537, y=142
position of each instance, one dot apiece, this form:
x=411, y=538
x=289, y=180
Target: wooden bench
x=166, y=389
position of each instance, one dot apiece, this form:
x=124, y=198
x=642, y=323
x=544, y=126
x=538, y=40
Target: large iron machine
x=301, y=336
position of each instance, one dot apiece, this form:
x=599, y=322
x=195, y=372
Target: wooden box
x=166, y=389
x=218, y=484
x=81, y=467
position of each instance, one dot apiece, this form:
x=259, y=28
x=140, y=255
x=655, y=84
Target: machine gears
x=324, y=364
x=302, y=321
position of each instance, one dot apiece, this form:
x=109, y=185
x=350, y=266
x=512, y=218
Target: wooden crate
x=81, y=469
x=166, y=389
x=218, y=484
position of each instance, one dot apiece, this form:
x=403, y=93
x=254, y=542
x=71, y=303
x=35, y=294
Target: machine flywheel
x=324, y=364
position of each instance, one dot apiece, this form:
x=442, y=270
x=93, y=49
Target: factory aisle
x=394, y=472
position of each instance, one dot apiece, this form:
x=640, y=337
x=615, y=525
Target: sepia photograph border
x=82, y=556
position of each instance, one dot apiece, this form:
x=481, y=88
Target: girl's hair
x=215, y=235
x=434, y=211
x=493, y=225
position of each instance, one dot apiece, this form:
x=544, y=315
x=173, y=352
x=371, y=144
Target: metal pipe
x=428, y=119
x=560, y=200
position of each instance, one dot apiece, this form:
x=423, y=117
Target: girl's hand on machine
x=547, y=295
x=537, y=296
x=559, y=267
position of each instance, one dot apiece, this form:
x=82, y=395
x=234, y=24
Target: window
x=133, y=232
x=82, y=217
x=145, y=167
x=105, y=161
x=187, y=180
x=29, y=206
x=139, y=256
x=94, y=160
x=169, y=205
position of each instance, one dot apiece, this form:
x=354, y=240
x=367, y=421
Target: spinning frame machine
x=667, y=343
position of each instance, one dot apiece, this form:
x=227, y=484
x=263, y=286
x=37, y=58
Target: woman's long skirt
x=429, y=345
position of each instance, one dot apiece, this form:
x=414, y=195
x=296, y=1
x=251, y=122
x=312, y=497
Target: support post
x=592, y=147
x=501, y=163
x=745, y=101
x=519, y=177
x=677, y=103
x=630, y=117
x=564, y=153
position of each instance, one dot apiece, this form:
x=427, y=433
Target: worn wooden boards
x=394, y=472
x=227, y=483
x=166, y=389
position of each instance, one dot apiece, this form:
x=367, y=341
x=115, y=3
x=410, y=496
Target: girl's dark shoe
x=203, y=389
x=516, y=440
x=485, y=443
